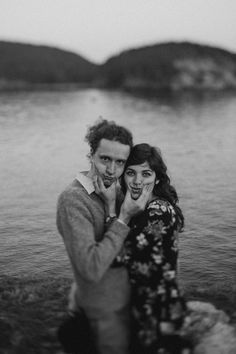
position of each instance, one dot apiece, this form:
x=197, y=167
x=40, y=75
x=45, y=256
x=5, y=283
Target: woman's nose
x=137, y=180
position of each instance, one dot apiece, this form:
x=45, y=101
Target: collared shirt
x=86, y=182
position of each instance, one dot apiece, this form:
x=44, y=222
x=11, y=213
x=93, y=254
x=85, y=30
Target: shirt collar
x=86, y=182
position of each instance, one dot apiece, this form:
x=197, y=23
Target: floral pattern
x=151, y=252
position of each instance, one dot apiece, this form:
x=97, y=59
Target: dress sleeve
x=152, y=263
x=154, y=243
x=164, y=230
x=169, y=304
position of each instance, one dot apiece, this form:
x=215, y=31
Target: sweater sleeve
x=89, y=258
x=151, y=259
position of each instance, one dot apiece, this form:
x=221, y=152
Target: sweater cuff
x=119, y=227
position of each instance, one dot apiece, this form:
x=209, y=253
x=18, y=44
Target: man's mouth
x=108, y=180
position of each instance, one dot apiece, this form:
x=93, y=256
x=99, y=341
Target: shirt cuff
x=121, y=221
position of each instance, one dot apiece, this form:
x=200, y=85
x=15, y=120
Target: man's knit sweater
x=92, y=249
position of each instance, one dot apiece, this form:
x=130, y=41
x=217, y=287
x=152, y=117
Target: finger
x=150, y=188
x=100, y=183
x=114, y=184
x=93, y=169
x=146, y=192
x=112, y=188
x=95, y=184
x=149, y=191
x=128, y=192
x=127, y=196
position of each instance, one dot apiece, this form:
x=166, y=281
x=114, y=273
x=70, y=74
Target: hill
x=172, y=66
x=25, y=63
x=168, y=66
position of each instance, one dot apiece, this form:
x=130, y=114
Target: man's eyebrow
x=111, y=158
x=104, y=155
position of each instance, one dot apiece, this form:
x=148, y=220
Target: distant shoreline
x=19, y=86
x=27, y=86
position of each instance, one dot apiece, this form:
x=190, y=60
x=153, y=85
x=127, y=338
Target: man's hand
x=107, y=194
x=131, y=207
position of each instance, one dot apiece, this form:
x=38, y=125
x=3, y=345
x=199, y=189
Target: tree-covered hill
x=172, y=66
x=167, y=66
x=25, y=63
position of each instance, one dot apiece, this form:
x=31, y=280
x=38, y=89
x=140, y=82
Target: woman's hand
x=132, y=207
x=108, y=194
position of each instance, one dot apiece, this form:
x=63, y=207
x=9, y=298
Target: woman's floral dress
x=151, y=252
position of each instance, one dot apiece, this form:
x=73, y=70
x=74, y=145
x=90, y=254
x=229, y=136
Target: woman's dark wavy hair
x=141, y=153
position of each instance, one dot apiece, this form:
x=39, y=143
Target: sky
x=98, y=29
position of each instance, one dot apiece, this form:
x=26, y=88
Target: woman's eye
x=146, y=174
x=129, y=173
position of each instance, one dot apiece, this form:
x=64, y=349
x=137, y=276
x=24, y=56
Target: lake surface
x=42, y=148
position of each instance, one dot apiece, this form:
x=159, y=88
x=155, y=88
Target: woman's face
x=137, y=176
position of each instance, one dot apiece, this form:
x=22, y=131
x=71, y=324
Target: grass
x=31, y=311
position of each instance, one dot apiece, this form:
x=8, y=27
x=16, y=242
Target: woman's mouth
x=135, y=190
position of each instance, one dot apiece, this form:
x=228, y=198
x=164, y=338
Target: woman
x=150, y=254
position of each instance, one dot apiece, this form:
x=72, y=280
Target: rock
x=209, y=329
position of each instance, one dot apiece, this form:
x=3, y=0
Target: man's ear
x=89, y=156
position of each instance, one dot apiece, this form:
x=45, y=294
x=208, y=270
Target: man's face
x=109, y=160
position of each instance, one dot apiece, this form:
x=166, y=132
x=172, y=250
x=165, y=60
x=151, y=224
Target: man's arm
x=75, y=222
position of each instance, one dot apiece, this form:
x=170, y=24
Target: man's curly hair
x=104, y=129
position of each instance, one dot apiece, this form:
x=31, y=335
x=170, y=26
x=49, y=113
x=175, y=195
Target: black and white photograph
x=117, y=177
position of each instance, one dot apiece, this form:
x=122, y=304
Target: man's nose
x=111, y=168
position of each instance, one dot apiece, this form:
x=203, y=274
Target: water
x=42, y=147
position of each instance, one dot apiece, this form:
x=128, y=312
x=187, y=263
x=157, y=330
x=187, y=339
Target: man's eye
x=120, y=162
x=104, y=158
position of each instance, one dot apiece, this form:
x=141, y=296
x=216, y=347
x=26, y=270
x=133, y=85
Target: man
x=100, y=289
